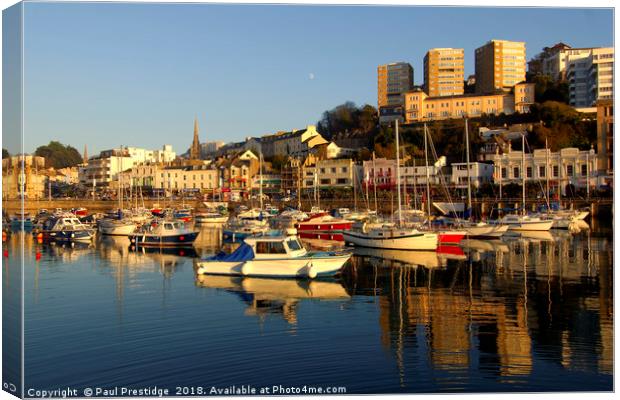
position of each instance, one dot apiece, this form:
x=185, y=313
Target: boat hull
x=419, y=241
x=486, y=231
x=117, y=230
x=214, y=220
x=180, y=240
x=530, y=226
x=451, y=237
x=302, y=267
x=69, y=236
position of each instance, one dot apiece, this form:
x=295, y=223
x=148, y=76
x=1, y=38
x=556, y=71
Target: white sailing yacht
x=525, y=222
x=479, y=229
x=393, y=237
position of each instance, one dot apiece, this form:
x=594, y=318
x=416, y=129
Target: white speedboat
x=210, y=218
x=525, y=223
x=393, y=238
x=116, y=227
x=66, y=228
x=282, y=257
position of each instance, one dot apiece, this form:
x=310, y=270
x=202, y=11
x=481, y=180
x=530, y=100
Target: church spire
x=85, y=156
x=194, y=151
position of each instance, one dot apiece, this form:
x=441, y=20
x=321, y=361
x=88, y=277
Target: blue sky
x=136, y=74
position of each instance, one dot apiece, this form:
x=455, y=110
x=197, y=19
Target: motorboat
x=164, y=233
x=390, y=237
x=66, y=228
x=80, y=211
x=183, y=214
x=210, y=218
x=274, y=256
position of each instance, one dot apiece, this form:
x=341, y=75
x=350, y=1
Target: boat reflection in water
x=266, y=296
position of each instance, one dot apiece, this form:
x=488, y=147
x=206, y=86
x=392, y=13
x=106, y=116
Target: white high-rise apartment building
x=590, y=76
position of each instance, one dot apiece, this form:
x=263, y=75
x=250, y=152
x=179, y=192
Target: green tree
x=5, y=153
x=278, y=162
x=58, y=155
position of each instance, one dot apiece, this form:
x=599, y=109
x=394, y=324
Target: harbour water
x=523, y=314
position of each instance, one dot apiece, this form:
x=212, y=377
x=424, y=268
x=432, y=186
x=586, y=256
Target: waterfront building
x=105, y=167
x=189, y=178
x=444, y=72
x=500, y=65
x=569, y=166
x=393, y=80
x=605, y=136
x=237, y=172
x=382, y=171
x=24, y=176
x=421, y=107
x=336, y=173
x=272, y=183
x=479, y=173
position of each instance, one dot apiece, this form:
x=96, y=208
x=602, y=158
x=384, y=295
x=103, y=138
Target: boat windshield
x=294, y=244
x=178, y=225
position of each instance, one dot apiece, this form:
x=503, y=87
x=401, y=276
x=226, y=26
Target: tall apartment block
x=444, y=72
x=590, y=76
x=500, y=64
x=392, y=81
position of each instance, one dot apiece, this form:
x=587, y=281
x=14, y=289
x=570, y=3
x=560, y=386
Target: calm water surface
x=523, y=314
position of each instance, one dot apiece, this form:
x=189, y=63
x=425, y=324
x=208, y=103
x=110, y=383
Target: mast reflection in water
x=522, y=314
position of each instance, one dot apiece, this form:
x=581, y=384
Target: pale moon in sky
x=311, y=76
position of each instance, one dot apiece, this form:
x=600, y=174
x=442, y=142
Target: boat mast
x=469, y=205
x=428, y=184
x=523, y=170
x=374, y=180
x=260, y=186
x=398, y=174
x=299, y=186
x=354, y=191
x=547, y=172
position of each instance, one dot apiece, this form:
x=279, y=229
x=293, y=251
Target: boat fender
x=246, y=268
x=311, y=272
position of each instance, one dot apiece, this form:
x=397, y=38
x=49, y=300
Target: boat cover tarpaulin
x=243, y=253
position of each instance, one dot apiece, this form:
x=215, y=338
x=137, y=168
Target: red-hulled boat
x=323, y=227
x=447, y=236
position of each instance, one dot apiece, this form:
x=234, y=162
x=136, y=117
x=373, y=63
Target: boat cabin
x=276, y=246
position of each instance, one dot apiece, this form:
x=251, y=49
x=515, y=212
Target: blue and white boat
x=163, y=234
x=66, y=228
x=274, y=256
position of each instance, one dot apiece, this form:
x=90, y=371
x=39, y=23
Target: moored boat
x=66, y=228
x=281, y=256
x=163, y=234
x=210, y=218
x=393, y=238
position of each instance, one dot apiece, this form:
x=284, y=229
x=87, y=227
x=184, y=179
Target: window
x=584, y=169
x=516, y=172
x=326, y=181
x=556, y=171
x=294, y=244
x=529, y=172
x=504, y=173
x=541, y=171
x=341, y=181
x=569, y=170
x=333, y=170
x=270, y=248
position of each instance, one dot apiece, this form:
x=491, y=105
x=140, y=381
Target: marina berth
x=279, y=256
